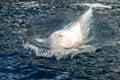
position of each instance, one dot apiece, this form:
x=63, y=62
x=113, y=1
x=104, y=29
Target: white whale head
x=65, y=38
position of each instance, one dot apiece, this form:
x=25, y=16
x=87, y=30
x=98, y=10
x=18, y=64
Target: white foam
x=32, y=47
x=94, y=5
x=60, y=54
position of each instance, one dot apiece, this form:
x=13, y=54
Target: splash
x=94, y=5
x=43, y=52
x=73, y=35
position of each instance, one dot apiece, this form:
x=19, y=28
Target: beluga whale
x=74, y=34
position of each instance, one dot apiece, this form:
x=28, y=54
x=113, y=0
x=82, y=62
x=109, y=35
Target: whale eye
x=60, y=35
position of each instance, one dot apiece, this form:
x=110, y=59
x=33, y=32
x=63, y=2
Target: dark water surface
x=21, y=20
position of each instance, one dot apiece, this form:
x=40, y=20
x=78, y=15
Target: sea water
x=20, y=23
